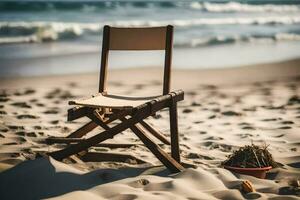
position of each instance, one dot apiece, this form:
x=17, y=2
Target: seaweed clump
x=250, y=156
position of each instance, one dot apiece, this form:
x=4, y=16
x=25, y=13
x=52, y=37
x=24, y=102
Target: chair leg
x=155, y=133
x=174, y=132
x=83, y=130
x=165, y=158
x=107, y=134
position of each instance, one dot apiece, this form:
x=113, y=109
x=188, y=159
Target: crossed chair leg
x=134, y=121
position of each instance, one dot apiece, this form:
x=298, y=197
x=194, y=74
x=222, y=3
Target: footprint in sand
x=292, y=86
x=212, y=117
x=24, y=133
x=269, y=120
x=25, y=92
x=213, y=103
x=248, y=128
x=214, y=145
x=21, y=105
x=139, y=183
x=66, y=95
x=2, y=112
x=252, y=109
x=214, y=138
x=273, y=107
x=53, y=93
x=287, y=122
x=289, y=190
x=13, y=127
x=4, y=129
x=10, y=143
x=27, y=117
x=187, y=110
x=293, y=149
x=293, y=100
x=244, y=124
x=285, y=127
x=40, y=105
x=209, y=87
x=279, y=136
x=231, y=113
x=195, y=104
x=216, y=110
x=52, y=111
x=37, y=127
x=41, y=133
x=198, y=156
x=33, y=100
x=245, y=135
x=54, y=122
x=61, y=94
x=4, y=99
x=57, y=102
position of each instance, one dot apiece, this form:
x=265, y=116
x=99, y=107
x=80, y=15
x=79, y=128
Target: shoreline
x=230, y=75
x=52, y=58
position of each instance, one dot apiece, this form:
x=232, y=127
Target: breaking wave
x=33, y=32
x=219, y=40
x=49, y=31
x=240, y=7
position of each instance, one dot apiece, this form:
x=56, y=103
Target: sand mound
x=48, y=178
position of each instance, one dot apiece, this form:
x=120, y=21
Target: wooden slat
x=84, y=145
x=83, y=130
x=168, y=60
x=175, y=152
x=77, y=112
x=152, y=38
x=123, y=102
x=104, y=59
x=111, y=101
x=155, y=133
x=63, y=140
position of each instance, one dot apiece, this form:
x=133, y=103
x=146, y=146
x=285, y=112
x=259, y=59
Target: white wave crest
x=51, y=31
x=239, y=7
x=80, y=28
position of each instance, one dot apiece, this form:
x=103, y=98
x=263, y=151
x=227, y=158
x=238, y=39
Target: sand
x=223, y=110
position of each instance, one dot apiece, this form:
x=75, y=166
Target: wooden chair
x=104, y=108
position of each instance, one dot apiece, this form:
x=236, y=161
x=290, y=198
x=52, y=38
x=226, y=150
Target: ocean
x=56, y=37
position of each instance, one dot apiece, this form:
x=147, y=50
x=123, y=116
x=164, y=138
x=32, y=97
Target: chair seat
x=112, y=101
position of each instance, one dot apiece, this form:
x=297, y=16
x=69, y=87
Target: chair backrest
x=152, y=38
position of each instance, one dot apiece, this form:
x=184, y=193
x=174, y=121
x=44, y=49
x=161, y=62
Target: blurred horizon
x=236, y=32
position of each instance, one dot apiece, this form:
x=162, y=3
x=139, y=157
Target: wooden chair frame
x=130, y=118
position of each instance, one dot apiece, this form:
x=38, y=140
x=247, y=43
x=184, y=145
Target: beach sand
x=223, y=109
